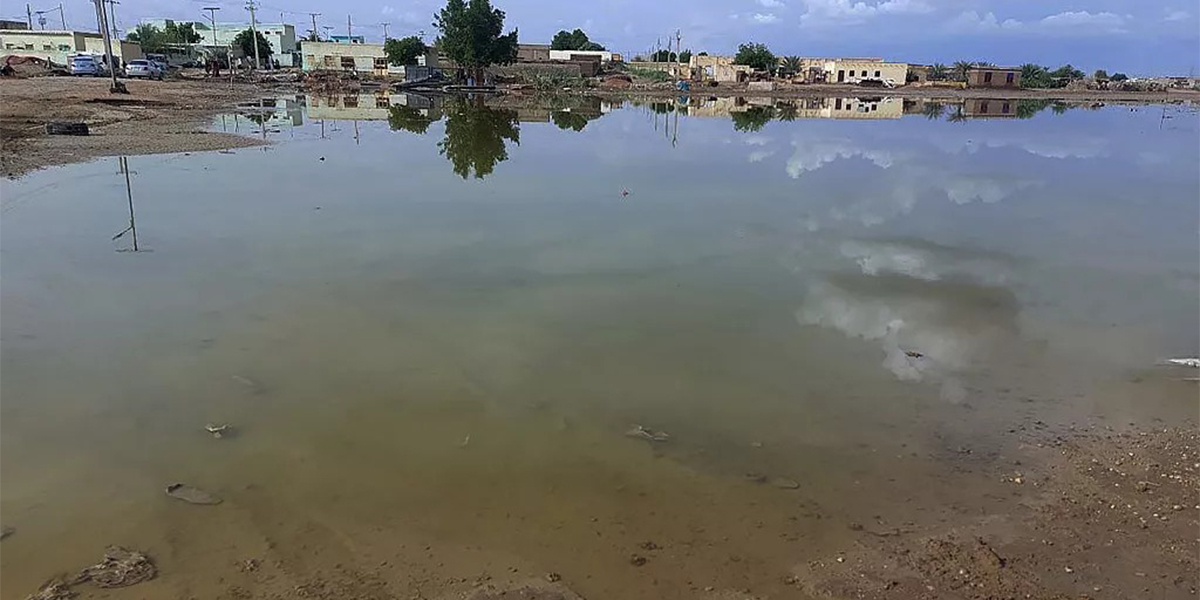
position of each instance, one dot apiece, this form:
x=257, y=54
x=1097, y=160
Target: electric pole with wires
x=253, y=32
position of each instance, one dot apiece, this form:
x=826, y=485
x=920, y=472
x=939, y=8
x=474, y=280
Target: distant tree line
x=573, y=40
x=153, y=39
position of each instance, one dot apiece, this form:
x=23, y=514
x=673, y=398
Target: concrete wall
x=281, y=36
x=989, y=107
x=604, y=56
x=717, y=68
x=533, y=52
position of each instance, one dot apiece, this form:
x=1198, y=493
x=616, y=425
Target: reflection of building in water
x=803, y=108
x=989, y=107
x=277, y=112
x=368, y=107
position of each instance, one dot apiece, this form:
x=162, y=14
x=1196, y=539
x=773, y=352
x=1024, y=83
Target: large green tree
x=573, y=40
x=244, y=41
x=790, y=65
x=408, y=118
x=471, y=35
x=180, y=33
x=756, y=56
x=938, y=72
x=961, y=68
x=753, y=118
x=404, y=51
x=148, y=36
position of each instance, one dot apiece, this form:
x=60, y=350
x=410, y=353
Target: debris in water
x=553, y=577
x=754, y=477
x=466, y=440
x=913, y=354
x=218, y=431
x=784, y=483
x=121, y=567
x=187, y=493
x=250, y=384
x=637, y=560
x=1184, y=362
x=624, y=193
x=55, y=589
x=756, y=444
x=6, y=531
x=648, y=434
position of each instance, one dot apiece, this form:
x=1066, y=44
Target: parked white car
x=85, y=64
x=143, y=68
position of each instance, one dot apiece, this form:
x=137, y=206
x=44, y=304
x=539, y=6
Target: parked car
x=143, y=68
x=88, y=65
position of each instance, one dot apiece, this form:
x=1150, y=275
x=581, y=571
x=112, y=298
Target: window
x=49, y=47
x=29, y=46
x=1009, y=78
x=350, y=101
x=837, y=104
x=380, y=63
x=987, y=77
x=9, y=46
x=64, y=48
x=382, y=102
x=1004, y=108
x=877, y=73
x=983, y=107
x=864, y=73
x=347, y=62
x=329, y=62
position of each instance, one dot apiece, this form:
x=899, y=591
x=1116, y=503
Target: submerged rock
x=645, y=433
x=121, y=567
x=187, y=493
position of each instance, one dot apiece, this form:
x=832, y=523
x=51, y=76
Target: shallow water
x=432, y=324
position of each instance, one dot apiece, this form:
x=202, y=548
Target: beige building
x=59, y=46
x=717, y=68
x=336, y=56
x=852, y=70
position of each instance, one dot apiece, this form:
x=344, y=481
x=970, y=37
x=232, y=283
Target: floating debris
x=913, y=354
x=6, y=531
x=1184, y=362
x=466, y=440
x=121, y=567
x=187, y=493
x=755, y=477
x=55, y=589
x=637, y=560
x=784, y=483
x=218, y=431
x=648, y=434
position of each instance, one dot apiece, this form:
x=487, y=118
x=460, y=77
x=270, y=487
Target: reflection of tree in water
x=475, y=137
x=407, y=118
x=933, y=110
x=753, y=118
x=572, y=120
x=788, y=111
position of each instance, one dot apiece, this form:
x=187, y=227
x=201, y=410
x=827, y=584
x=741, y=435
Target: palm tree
x=958, y=116
x=961, y=68
x=790, y=64
x=933, y=110
x=938, y=72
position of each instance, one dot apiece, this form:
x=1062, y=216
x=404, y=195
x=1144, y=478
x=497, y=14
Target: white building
x=605, y=56
x=58, y=46
x=281, y=36
x=339, y=56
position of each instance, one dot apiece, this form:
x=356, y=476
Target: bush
x=651, y=74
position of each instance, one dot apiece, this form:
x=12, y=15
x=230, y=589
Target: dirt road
x=156, y=117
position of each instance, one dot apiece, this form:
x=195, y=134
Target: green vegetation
x=153, y=39
x=1119, y=77
x=753, y=118
x=651, y=74
x=470, y=35
x=938, y=72
x=575, y=40
x=550, y=79
x=789, y=65
x=663, y=56
x=244, y=41
x=933, y=110
x=1037, y=76
x=404, y=51
x=755, y=56
x=1100, y=75
x=685, y=56
x=475, y=136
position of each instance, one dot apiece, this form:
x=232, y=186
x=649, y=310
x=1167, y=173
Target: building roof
x=49, y=32
x=994, y=68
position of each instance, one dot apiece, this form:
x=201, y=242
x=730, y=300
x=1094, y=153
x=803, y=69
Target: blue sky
x=1147, y=37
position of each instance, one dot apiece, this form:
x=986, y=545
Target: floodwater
x=432, y=324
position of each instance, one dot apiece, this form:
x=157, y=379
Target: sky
x=1146, y=37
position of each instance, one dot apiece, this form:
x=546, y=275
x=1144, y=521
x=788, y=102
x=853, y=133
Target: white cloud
x=765, y=18
x=812, y=155
x=820, y=11
x=1081, y=22
x=770, y=3
x=1104, y=21
x=387, y=10
x=760, y=155
x=1177, y=15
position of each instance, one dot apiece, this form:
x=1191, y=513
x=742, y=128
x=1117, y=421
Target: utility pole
x=42, y=19
x=28, y=16
x=109, y=59
x=316, y=32
x=348, y=40
x=212, y=19
x=112, y=13
x=62, y=17
x=253, y=31
x=385, y=26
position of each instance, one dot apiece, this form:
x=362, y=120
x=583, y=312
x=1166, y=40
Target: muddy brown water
x=431, y=326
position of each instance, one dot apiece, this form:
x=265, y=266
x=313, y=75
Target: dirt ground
x=155, y=117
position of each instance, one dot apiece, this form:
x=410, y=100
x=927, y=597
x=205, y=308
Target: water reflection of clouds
x=927, y=330
x=810, y=155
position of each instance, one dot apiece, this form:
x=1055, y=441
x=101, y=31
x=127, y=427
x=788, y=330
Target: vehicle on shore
x=147, y=69
x=86, y=64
